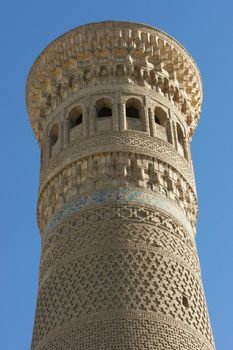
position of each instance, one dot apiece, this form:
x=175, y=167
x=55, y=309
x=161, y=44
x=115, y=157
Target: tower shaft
x=114, y=106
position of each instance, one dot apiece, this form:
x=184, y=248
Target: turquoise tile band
x=121, y=196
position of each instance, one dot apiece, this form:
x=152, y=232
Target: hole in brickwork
x=54, y=134
x=185, y=301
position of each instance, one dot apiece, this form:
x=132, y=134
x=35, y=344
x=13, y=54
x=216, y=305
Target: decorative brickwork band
x=117, y=198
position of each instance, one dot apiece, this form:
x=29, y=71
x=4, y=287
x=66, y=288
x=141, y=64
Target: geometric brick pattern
x=127, y=141
x=125, y=332
x=112, y=278
x=136, y=225
x=115, y=196
x=114, y=106
x=110, y=170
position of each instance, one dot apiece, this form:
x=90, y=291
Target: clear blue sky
x=205, y=28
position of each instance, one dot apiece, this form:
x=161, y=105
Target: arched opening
x=133, y=114
x=104, y=108
x=160, y=118
x=103, y=114
x=180, y=139
x=75, y=117
x=53, y=138
x=54, y=135
x=133, y=107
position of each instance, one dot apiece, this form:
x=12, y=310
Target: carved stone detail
x=115, y=52
x=126, y=141
x=115, y=170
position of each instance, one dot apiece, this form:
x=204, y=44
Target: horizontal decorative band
x=121, y=197
x=150, y=324
x=116, y=141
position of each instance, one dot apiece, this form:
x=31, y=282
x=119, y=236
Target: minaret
x=114, y=106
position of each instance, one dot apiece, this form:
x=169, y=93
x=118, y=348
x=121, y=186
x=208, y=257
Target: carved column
x=145, y=120
x=66, y=132
x=186, y=149
x=170, y=131
x=85, y=122
x=152, y=122
x=115, y=116
x=123, y=121
x=92, y=121
x=174, y=128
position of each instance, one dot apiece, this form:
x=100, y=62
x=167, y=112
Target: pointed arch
x=161, y=122
x=104, y=107
x=133, y=114
x=180, y=139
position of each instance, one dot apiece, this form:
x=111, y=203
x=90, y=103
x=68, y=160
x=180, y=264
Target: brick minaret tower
x=114, y=106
